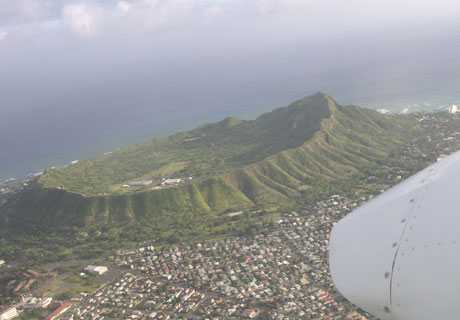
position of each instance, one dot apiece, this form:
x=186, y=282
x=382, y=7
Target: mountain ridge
x=236, y=164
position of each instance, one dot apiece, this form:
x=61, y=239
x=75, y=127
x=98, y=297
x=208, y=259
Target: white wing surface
x=398, y=256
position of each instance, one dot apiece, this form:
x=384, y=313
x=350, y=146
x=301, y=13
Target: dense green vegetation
x=201, y=153
x=290, y=156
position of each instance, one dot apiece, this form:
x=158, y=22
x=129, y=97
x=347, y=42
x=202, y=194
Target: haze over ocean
x=39, y=139
x=82, y=77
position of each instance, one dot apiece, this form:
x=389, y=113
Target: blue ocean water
x=41, y=138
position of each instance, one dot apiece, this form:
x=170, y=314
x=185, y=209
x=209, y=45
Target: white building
x=8, y=313
x=453, y=109
x=96, y=269
x=166, y=276
x=2, y=262
x=34, y=303
x=45, y=302
x=171, y=182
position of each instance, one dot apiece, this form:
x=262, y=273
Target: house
x=96, y=269
x=166, y=276
x=249, y=313
x=59, y=311
x=45, y=302
x=323, y=295
x=2, y=262
x=8, y=313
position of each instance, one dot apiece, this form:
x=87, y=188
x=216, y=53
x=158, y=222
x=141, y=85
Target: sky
x=80, y=77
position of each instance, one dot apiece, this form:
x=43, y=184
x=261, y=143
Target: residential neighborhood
x=280, y=273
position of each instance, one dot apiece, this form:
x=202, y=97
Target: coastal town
x=281, y=272
x=279, y=275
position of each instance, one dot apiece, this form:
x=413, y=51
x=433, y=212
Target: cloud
x=25, y=11
x=3, y=35
x=151, y=14
x=88, y=18
x=212, y=13
x=274, y=6
x=96, y=17
x=124, y=6
x=83, y=18
x=35, y=9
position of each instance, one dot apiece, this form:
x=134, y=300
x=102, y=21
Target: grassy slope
x=237, y=164
x=207, y=150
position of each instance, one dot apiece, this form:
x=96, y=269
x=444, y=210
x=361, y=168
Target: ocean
x=45, y=137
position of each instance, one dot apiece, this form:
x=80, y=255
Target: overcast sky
x=149, y=67
x=66, y=53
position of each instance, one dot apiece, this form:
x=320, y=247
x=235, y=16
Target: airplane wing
x=398, y=256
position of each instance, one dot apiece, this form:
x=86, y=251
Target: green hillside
x=234, y=164
x=205, y=151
